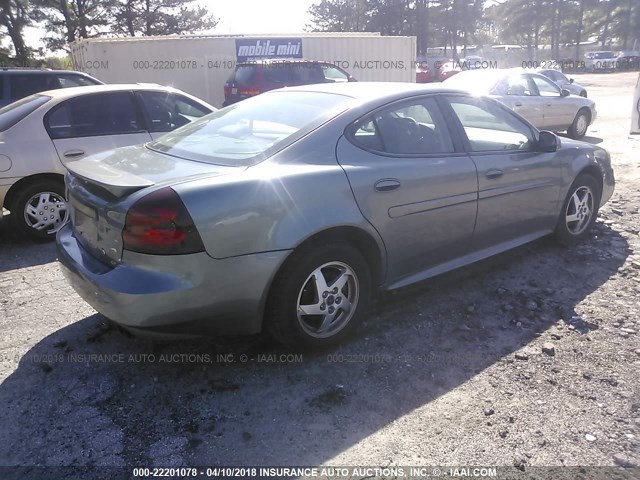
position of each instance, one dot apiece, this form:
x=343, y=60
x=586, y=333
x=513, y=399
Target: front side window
x=411, y=128
x=168, y=111
x=518, y=85
x=490, y=127
x=112, y=113
x=334, y=74
x=545, y=87
x=71, y=80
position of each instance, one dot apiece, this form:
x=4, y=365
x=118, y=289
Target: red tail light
x=160, y=224
x=249, y=91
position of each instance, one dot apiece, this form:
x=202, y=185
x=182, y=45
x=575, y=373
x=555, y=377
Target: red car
x=424, y=73
x=448, y=69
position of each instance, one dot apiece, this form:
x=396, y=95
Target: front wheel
x=40, y=210
x=578, y=128
x=317, y=299
x=579, y=210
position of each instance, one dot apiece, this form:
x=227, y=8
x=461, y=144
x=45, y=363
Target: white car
x=538, y=99
x=40, y=133
x=600, y=61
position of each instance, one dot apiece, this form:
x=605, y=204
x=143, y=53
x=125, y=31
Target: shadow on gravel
x=90, y=395
x=19, y=252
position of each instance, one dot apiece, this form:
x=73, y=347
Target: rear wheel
x=40, y=210
x=578, y=128
x=579, y=210
x=318, y=297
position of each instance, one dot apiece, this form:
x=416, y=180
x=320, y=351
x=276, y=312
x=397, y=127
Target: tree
x=160, y=17
x=341, y=16
x=14, y=17
x=69, y=20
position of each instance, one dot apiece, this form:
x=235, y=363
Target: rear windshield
x=244, y=75
x=250, y=131
x=16, y=111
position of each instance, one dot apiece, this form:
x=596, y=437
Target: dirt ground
x=528, y=359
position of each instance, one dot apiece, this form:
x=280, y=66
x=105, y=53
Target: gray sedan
x=287, y=211
x=563, y=82
x=534, y=96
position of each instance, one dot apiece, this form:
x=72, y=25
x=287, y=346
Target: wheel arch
x=26, y=181
x=356, y=237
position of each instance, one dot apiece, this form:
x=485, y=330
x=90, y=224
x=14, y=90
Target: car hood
x=125, y=170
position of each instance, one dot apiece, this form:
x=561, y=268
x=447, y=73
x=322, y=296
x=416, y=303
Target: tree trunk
x=7, y=18
x=579, y=31
x=68, y=23
x=607, y=20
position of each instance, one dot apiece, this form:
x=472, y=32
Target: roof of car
x=370, y=90
x=75, y=91
x=39, y=71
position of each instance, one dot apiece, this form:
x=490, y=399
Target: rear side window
x=112, y=113
x=13, y=113
x=23, y=85
x=168, y=111
x=415, y=127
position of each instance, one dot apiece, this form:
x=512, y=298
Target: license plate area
x=85, y=222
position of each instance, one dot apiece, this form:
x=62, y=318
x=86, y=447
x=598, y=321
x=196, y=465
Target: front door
x=519, y=187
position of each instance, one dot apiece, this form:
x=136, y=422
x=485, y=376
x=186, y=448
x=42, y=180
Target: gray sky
x=240, y=16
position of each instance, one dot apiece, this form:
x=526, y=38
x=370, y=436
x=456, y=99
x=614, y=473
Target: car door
x=519, y=187
x=558, y=112
x=411, y=183
x=166, y=111
x=88, y=124
x=516, y=92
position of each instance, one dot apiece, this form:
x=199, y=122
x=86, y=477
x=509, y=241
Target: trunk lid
x=101, y=189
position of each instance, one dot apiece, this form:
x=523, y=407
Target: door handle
x=387, y=184
x=73, y=153
x=518, y=104
x=493, y=174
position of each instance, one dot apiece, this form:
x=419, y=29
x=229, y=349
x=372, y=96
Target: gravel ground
x=528, y=359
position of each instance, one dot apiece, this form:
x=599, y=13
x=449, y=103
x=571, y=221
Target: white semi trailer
x=200, y=65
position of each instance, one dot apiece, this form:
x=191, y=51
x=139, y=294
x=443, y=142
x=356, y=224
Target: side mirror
x=351, y=79
x=571, y=80
x=565, y=93
x=548, y=142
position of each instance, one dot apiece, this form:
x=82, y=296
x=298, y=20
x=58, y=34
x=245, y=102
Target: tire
x=36, y=204
x=578, y=128
x=585, y=188
x=295, y=286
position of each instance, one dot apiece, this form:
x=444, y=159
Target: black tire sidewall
x=282, y=320
x=17, y=208
x=562, y=232
x=572, y=131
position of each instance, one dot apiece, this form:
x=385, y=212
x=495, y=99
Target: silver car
x=287, y=211
x=564, y=82
x=534, y=96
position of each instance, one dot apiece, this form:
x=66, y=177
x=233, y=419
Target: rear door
x=93, y=123
x=517, y=93
x=412, y=184
x=519, y=187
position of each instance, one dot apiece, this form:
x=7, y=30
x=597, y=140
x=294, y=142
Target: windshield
x=476, y=81
x=252, y=130
x=16, y=111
